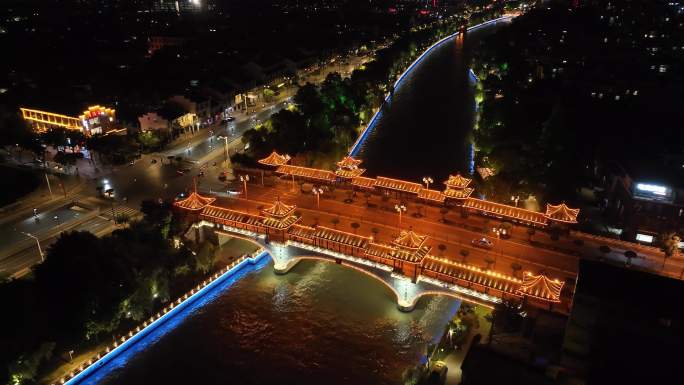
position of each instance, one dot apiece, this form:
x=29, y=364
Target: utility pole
x=48, y=183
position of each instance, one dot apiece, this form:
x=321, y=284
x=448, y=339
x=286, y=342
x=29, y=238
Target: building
x=646, y=199
x=625, y=327
x=94, y=120
x=152, y=121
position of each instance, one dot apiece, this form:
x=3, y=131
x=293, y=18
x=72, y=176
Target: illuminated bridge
x=405, y=265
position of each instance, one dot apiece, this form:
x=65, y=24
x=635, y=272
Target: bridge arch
x=406, y=292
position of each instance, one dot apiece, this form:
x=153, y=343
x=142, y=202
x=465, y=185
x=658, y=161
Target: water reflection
x=320, y=323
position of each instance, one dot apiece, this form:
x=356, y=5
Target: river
x=425, y=128
x=323, y=323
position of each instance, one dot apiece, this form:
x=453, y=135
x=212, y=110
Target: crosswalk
x=117, y=211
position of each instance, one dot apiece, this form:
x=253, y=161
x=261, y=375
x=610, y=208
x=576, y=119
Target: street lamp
x=40, y=250
x=317, y=191
x=225, y=146
x=498, y=231
x=427, y=180
x=244, y=179
x=515, y=198
x=400, y=209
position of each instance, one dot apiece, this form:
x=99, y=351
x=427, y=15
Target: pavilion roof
x=399, y=185
x=506, y=211
x=349, y=173
x=561, y=213
x=221, y=214
x=432, y=195
x=472, y=274
x=195, y=202
x=461, y=193
x=541, y=287
x=279, y=210
x=457, y=181
x=280, y=223
x=392, y=252
x=349, y=162
x=363, y=182
x=275, y=159
x=409, y=240
x=306, y=172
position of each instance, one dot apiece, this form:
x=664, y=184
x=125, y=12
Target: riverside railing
x=134, y=335
x=369, y=128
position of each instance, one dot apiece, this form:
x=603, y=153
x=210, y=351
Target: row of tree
x=89, y=288
x=327, y=118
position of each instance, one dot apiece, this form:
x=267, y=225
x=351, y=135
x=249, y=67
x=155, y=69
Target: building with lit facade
x=646, y=200
x=95, y=120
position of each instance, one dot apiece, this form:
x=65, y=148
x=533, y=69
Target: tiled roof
x=349, y=173
x=409, y=240
x=275, y=159
x=457, y=181
x=279, y=210
x=506, y=211
x=348, y=162
x=561, y=213
x=195, y=202
x=472, y=274
x=363, y=182
x=461, y=193
x=432, y=195
x=305, y=172
x=399, y=185
x=541, y=287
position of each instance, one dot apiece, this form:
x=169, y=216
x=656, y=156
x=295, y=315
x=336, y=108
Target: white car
x=483, y=243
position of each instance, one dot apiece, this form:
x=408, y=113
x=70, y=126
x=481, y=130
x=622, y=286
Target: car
x=186, y=169
x=230, y=118
x=234, y=191
x=483, y=243
x=180, y=172
x=201, y=173
x=153, y=161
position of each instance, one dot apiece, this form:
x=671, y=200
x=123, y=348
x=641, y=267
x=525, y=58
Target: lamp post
x=40, y=250
x=317, y=191
x=498, y=232
x=427, y=180
x=225, y=145
x=244, y=179
x=400, y=209
x=515, y=198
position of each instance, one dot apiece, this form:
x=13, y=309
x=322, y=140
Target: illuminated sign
x=644, y=238
x=655, y=189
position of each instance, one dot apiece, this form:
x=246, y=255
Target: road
x=153, y=176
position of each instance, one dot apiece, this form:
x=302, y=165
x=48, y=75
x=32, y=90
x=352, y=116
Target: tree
x=375, y=232
x=444, y=211
x=669, y=244
x=367, y=195
x=149, y=140
x=335, y=221
x=441, y=248
x=355, y=226
x=464, y=255
x=516, y=267
x=629, y=255
x=489, y=261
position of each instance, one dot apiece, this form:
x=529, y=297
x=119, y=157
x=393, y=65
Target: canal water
x=425, y=128
x=323, y=323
